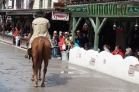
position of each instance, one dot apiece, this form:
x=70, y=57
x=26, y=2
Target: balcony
x=75, y=2
x=20, y=4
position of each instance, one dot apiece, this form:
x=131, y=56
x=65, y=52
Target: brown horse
x=40, y=52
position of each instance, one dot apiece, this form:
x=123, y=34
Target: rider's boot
x=28, y=54
x=51, y=52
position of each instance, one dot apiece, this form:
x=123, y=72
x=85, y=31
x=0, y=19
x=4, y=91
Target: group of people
x=61, y=42
x=10, y=30
x=119, y=51
x=81, y=40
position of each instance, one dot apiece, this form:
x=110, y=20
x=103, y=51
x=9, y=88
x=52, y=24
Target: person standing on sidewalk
x=54, y=51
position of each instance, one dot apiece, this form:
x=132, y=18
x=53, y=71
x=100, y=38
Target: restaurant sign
x=63, y=16
x=106, y=9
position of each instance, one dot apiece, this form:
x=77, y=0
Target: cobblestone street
x=15, y=76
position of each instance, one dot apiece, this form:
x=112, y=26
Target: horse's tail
x=39, y=55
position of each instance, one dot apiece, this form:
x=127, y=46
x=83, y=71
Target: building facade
x=27, y=4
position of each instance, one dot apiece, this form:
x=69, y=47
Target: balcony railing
x=69, y=2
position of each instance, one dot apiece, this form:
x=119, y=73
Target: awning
x=24, y=12
x=2, y=12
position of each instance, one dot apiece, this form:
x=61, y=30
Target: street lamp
x=114, y=26
x=85, y=27
x=136, y=26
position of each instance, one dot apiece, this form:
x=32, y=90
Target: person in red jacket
x=61, y=42
x=118, y=50
x=16, y=32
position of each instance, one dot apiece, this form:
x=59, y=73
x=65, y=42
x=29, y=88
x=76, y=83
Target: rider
x=40, y=26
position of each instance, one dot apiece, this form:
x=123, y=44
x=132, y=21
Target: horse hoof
x=43, y=85
x=32, y=79
x=35, y=85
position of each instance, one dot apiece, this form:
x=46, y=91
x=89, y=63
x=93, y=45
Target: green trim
x=73, y=27
x=93, y=23
x=105, y=10
x=101, y=25
x=97, y=29
x=75, y=24
x=79, y=14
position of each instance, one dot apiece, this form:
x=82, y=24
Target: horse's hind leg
x=44, y=71
x=40, y=71
x=35, y=72
x=32, y=73
x=36, y=81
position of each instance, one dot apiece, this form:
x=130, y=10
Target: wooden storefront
x=19, y=18
x=99, y=13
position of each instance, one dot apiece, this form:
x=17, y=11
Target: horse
x=40, y=51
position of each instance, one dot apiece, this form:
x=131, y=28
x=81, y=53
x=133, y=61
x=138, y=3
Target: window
x=40, y=4
x=49, y=3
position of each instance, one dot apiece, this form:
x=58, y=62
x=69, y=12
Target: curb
x=14, y=46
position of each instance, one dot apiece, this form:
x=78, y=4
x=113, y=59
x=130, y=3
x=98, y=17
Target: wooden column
x=22, y=25
x=97, y=29
x=74, y=27
x=4, y=22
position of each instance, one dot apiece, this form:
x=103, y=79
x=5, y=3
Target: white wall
x=114, y=65
x=36, y=4
x=53, y=3
x=45, y=4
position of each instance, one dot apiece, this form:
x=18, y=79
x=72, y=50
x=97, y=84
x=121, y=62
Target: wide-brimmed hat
x=39, y=13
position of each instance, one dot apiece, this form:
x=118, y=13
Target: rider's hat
x=40, y=13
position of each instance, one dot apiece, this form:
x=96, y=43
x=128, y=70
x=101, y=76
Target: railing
x=8, y=39
x=23, y=42
x=72, y=2
x=11, y=40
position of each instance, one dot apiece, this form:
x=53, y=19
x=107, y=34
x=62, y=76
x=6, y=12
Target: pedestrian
x=54, y=51
x=128, y=52
x=106, y=48
x=117, y=51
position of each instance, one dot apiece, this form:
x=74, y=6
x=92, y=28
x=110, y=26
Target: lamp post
x=85, y=27
x=9, y=18
x=114, y=26
x=136, y=26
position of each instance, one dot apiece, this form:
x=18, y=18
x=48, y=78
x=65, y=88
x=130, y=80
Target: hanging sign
x=60, y=16
x=106, y=9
